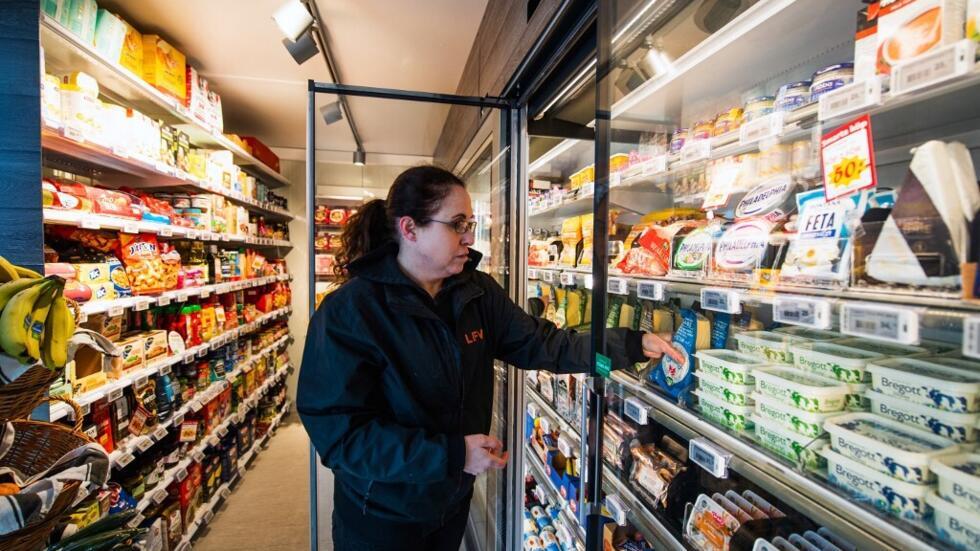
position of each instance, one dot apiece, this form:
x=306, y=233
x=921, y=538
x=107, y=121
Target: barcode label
x=971, y=337
x=650, y=290
x=882, y=322
x=696, y=151
x=934, y=67
x=802, y=311
x=847, y=99
x=721, y=300
x=768, y=126
x=618, y=286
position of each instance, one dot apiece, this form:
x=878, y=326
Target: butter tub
x=888, y=446
x=806, y=391
x=736, y=418
x=955, y=525
x=771, y=346
x=958, y=427
x=806, y=423
x=729, y=365
x=959, y=480
x=934, y=382
x=834, y=361
x=897, y=498
x=790, y=444
x=739, y=395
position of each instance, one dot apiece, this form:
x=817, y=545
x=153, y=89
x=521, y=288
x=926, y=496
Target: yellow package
x=132, y=347
x=164, y=67
x=155, y=344
x=573, y=315
x=571, y=236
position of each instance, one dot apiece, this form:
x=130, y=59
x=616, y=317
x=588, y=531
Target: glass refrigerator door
x=796, y=193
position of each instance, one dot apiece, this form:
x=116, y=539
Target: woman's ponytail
x=364, y=231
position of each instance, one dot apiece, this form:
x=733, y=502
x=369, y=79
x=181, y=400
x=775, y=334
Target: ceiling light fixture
x=293, y=19
x=331, y=112
x=303, y=49
x=359, y=157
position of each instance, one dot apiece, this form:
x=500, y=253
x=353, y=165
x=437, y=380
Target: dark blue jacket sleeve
x=338, y=399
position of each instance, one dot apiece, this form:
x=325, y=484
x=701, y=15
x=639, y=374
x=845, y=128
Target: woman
x=396, y=385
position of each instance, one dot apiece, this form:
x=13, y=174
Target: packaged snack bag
x=141, y=255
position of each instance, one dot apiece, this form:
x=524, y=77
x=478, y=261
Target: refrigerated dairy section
x=785, y=191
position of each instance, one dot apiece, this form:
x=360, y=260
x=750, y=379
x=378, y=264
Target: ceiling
x=411, y=45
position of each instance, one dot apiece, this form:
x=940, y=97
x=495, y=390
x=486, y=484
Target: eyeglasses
x=458, y=226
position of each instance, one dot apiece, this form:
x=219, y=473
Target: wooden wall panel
x=21, y=229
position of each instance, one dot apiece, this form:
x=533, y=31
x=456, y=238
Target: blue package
x=719, y=329
x=674, y=378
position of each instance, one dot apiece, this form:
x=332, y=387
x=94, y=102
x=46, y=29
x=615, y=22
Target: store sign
x=935, y=67
x=847, y=154
x=880, y=321
x=710, y=457
x=650, y=290
x=851, y=98
x=971, y=337
x=803, y=311
x=767, y=126
x=721, y=300
x=636, y=410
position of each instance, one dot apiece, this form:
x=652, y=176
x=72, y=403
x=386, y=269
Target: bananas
x=38, y=317
x=11, y=288
x=17, y=318
x=26, y=273
x=35, y=322
x=58, y=329
x=8, y=272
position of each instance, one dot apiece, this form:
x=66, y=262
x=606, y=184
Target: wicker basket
x=35, y=536
x=19, y=398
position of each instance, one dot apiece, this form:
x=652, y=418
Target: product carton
x=164, y=66
x=80, y=16
x=866, y=43
x=119, y=42
x=910, y=28
x=133, y=354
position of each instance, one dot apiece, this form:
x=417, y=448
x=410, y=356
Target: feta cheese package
x=820, y=253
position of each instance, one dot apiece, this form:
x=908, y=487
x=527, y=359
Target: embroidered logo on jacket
x=473, y=337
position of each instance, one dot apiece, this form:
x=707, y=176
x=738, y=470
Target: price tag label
x=617, y=509
x=650, y=290
x=92, y=432
x=181, y=296
x=205, y=293
x=222, y=432
x=208, y=516
x=136, y=520
x=851, y=98
x=767, y=126
x=141, y=305
x=163, y=300
x=545, y=424
x=115, y=311
x=721, y=300
x=587, y=190
x=540, y=494
x=197, y=456
x=131, y=227
x=710, y=457
x=588, y=281
x=548, y=276
x=82, y=317
x=847, y=155
x=698, y=150
x=188, y=357
x=880, y=321
x=971, y=337
x=192, y=234
x=803, y=311
x=213, y=441
x=125, y=459
x=165, y=370
x=178, y=419
x=532, y=274
x=160, y=496
x=140, y=381
x=567, y=278
x=225, y=492
x=115, y=394
x=166, y=231
x=160, y=433
x=565, y=447
x=144, y=444
x=181, y=474
x=89, y=224
x=655, y=165
x=937, y=66
x=618, y=286
x=202, y=352
x=636, y=410
x=195, y=406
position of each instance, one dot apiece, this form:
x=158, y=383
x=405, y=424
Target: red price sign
x=848, y=159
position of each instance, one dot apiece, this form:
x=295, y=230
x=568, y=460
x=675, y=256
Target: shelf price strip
x=935, y=67
x=721, y=300
x=803, y=311
x=881, y=322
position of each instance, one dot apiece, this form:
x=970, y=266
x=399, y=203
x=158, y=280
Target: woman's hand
x=656, y=345
x=483, y=452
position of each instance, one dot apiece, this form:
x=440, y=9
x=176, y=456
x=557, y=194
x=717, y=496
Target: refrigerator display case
x=788, y=188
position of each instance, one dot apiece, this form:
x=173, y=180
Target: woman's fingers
x=656, y=345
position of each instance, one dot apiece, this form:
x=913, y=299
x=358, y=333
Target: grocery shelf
x=134, y=377
x=566, y=427
x=64, y=52
x=544, y=481
x=153, y=176
x=91, y=221
x=803, y=491
x=639, y=515
x=116, y=307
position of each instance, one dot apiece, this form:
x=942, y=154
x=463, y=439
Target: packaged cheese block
x=926, y=236
x=571, y=236
x=576, y=305
x=164, y=66
x=650, y=253
x=741, y=249
x=820, y=250
x=626, y=315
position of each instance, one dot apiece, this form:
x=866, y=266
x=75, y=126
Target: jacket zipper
x=457, y=356
x=367, y=494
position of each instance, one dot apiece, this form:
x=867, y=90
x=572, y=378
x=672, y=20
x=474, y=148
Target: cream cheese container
x=933, y=382
x=888, y=446
x=897, y=498
x=959, y=480
x=803, y=390
x=958, y=427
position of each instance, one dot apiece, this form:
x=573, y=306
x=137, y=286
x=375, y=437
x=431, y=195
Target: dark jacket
x=388, y=388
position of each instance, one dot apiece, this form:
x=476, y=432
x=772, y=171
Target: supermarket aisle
x=269, y=510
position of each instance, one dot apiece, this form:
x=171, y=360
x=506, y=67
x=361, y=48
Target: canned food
x=793, y=95
x=830, y=78
x=182, y=201
x=202, y=202
x=758, y=107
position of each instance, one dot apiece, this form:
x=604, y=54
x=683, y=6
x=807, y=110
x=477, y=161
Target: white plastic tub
x=856, y=399
x=888, y=446
x=806, y=391
x=958, y=427
x=935, y=382
x=729, y=365
x=809, y=334
x=736, y=418
x=773, y=347
x=739, y=395
x=897, y=498
x=884, y=348
x=955, y=525
x=791, y=417
x=959, y=479
x=790, y=444
x=834, y=361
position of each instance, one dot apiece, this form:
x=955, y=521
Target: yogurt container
x=758, y=107
x=897, y=498
x=793, y=95
x=774, y=347
x=834, y=361
x=736, y=418
x=934, y=383
x=809, y=334
x=739, y=395
x=959, y=480
x=805, y=391
x=790, y=444
x=831, y=78
x=728, y=365
x=888, y=446
x=955, y=525
x=806, y=423
x=958, y=427
x=883, y=348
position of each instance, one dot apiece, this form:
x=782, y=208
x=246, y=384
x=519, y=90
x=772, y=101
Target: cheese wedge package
x=927, y=234
x=820, y=251
x=677, y=379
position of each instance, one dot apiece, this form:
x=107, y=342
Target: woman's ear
x=406, y=228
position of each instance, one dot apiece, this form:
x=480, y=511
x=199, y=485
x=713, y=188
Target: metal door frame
x=512, y=130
